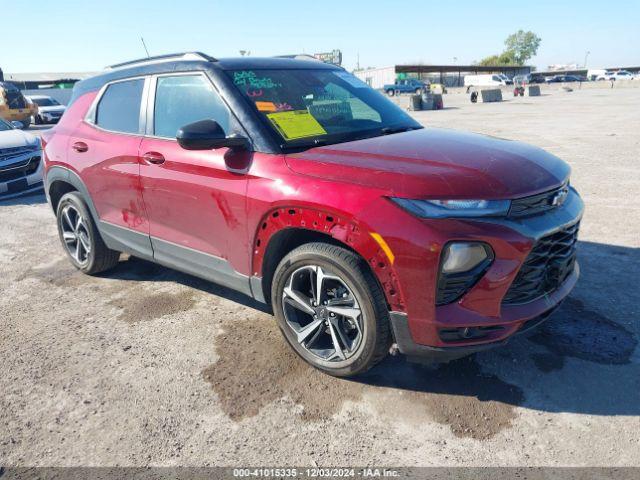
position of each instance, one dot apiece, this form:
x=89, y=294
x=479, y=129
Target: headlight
x=454, y=208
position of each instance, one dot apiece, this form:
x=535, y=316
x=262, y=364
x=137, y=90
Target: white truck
x=491, y=80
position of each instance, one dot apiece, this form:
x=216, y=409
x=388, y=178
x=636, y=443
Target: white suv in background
x=49, y=109
x=619, y=75
x=20, y=161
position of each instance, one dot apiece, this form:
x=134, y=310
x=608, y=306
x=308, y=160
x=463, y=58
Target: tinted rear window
x=119, y=107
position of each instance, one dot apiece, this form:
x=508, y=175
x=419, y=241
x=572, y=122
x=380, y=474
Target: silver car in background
x=20, y=161
x=49, y=109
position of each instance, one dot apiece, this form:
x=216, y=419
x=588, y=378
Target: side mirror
x=206, y=135
x=18, y=125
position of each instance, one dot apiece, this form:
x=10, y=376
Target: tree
x=505, y=58
x=522, y=45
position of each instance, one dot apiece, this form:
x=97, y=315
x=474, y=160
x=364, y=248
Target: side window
x=186, y=99
x=119, y=107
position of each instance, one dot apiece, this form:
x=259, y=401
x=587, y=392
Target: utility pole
x=586, y=55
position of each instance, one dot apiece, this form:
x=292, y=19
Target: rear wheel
x=80, y=237
x=331, y=309
x=391, y=93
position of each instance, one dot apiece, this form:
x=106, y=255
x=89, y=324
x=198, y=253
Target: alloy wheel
x=75, y=234
x=323, y=313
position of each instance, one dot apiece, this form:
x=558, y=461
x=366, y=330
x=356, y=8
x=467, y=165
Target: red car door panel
x=194, y=202
x=110, y=169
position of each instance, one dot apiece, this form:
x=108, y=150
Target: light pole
x=586, y=55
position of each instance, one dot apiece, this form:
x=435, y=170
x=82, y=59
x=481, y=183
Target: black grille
x=536, y=204
x=13, y=151
x=22, y=169
x=547, y=266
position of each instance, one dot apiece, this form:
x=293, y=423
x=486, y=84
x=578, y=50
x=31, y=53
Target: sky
x=85, y=35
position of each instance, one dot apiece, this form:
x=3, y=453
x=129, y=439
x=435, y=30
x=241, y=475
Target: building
x=449, y=75
x=31, y=81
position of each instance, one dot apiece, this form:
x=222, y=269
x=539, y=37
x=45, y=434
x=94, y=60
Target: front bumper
x=21, y=183
x=418, y=331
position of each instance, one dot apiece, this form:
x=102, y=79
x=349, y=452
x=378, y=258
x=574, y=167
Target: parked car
x=484, y=80
x=507, y=80
x=618, y=75
x=566, y=79
x=20, y=165
x=298, y=185
x=14, y=106
x=49, y=109
x=528, y=79
x=410, y=85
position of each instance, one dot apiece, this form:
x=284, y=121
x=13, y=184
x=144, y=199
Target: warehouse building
x=448, y=75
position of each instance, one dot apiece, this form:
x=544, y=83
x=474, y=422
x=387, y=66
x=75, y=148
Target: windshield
x=5, y=125
x=45, y=102
x=305, y=108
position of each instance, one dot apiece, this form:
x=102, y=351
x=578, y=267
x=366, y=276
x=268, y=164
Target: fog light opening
x=462, y=257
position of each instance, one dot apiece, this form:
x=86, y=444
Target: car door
x=195, y=199
x=104, y=149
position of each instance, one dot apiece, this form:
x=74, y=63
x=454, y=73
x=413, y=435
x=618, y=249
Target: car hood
x=16, y=138
x=52, y=108
x=436, y=163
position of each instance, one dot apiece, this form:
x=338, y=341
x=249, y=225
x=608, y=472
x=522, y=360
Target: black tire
x=98, y=258
x=354, y=273
x=25, y=123
x=391, y=93
x=418, y=91
x=37, y=120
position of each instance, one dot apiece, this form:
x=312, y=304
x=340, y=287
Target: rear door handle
x=154, y=158
x=80, y=147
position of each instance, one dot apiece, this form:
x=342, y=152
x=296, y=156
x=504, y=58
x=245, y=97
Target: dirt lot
x=146, y=366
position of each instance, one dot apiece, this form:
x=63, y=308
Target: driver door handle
x=154, y=158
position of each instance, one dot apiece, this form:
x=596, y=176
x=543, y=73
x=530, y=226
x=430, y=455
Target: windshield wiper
x=390, y=130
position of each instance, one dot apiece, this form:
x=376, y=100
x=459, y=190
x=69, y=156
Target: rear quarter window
x=119, y=107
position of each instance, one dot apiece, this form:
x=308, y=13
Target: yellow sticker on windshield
x=294, y=124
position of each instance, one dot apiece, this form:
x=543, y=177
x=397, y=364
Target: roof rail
x=165, y=58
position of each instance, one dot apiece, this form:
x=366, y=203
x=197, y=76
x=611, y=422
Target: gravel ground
x=146, y=366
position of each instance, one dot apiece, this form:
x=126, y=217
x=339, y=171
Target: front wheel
x=80, y=237
x=331, y=309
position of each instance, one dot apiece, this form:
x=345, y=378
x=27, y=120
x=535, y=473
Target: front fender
x=347, y=231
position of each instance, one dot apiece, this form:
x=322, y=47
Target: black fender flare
x=58, y=173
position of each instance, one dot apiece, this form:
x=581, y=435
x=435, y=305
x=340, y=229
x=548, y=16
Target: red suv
x=295, y=183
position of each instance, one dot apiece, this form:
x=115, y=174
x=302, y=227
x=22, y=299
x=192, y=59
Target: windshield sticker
x=296, y=124
x=352, y=80
x=266, y=107
x=249, y=79
x=283, y=107
x=254, y=93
